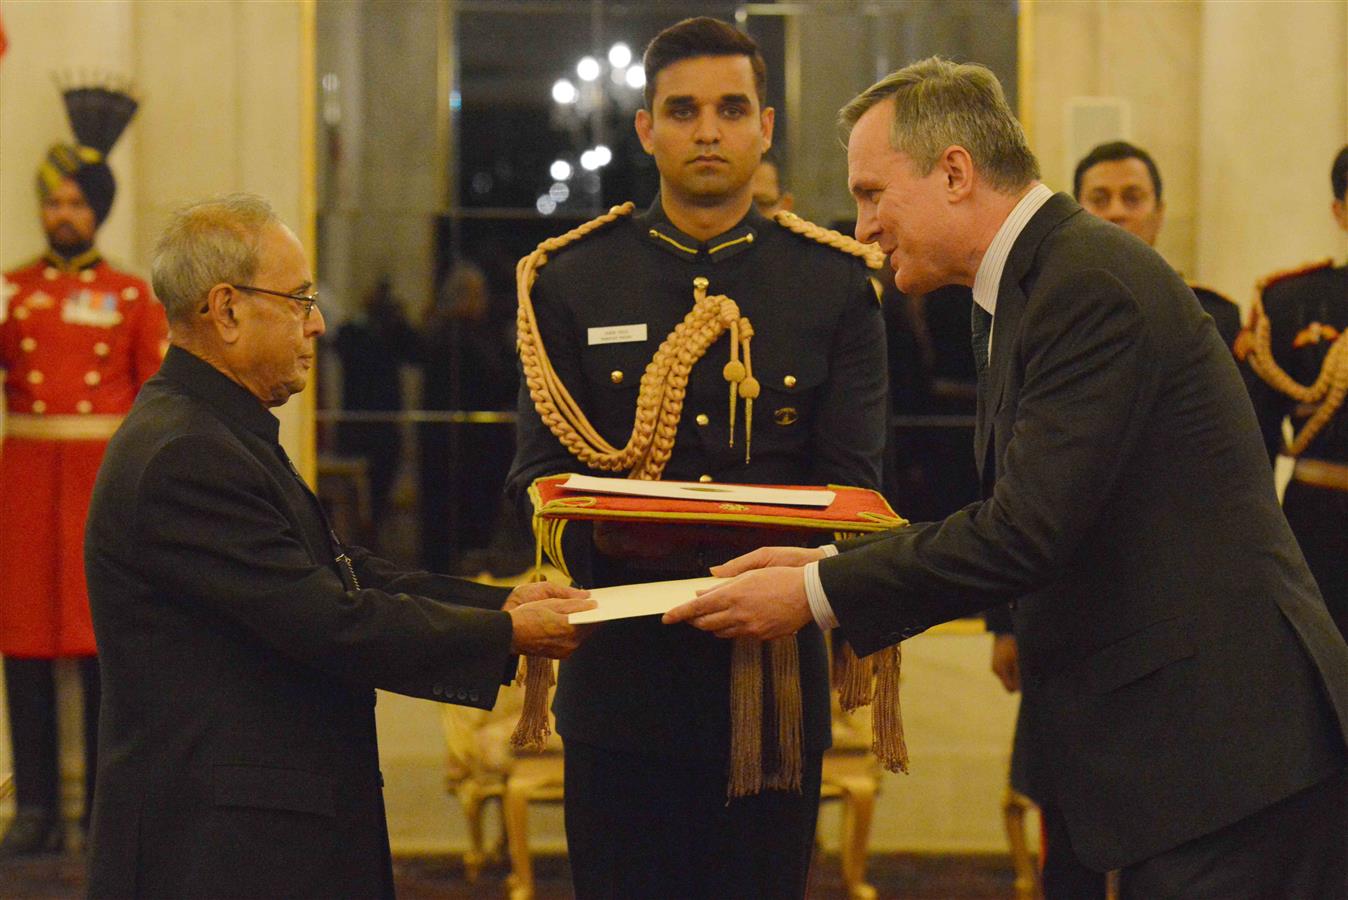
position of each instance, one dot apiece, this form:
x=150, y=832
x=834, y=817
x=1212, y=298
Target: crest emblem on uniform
x=786, y=415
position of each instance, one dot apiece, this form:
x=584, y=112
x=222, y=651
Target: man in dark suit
x=241, y=640
x=1172, y=641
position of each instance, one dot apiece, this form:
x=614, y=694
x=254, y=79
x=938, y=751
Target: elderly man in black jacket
x=1173, y=645
x=241, y=640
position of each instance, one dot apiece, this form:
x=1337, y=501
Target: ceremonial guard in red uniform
x=1295, y=345
x=77, y=340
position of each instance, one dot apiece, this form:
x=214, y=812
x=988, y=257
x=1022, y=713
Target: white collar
x=989, y=274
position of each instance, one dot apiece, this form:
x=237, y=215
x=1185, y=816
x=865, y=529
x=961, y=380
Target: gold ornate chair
x=481, y=766
x=852, y=774
x=1015, y=806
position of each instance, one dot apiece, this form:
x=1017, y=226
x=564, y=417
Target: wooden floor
x=898, y=876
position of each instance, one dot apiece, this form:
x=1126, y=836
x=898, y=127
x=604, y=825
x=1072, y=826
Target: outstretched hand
x=532, y=591
x=767, y=556
x=538, y=619
x=763, y=603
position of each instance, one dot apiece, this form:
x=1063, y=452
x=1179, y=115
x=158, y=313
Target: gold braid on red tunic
x=1328, y=391
x=659, y=408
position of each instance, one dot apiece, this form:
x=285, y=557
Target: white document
x=652, y=599
x=696, y=490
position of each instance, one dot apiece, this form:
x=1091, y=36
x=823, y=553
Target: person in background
x=468, y=363
x=769, y=189
x=373, y=347
x=78, y=337
x=1119, y=182
x=1304, y=313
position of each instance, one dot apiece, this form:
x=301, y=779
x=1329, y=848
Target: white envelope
x=651, y=599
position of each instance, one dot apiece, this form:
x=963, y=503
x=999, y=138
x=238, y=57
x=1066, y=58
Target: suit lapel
x=1011, y=301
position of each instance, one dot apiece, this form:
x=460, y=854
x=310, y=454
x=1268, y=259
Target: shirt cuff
x=814, y=593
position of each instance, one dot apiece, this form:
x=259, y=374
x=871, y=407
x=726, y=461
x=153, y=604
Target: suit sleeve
x=1086, y=391
x=849, y=430
x=220, y=547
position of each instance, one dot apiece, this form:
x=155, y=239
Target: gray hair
x=205, y=244
x=938, y=103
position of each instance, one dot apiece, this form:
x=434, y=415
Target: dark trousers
x=1319, y=519
x=30, y=690
x=642, y=827
x=1294, y=850
x=1065, y=876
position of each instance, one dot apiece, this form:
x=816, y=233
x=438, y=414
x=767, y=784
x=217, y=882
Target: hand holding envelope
x=766, y=600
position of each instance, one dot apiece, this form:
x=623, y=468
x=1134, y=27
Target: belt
x=1321, y=473
x=61, y=428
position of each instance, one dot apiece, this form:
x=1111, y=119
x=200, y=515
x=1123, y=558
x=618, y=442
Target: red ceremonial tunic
x=77, y=344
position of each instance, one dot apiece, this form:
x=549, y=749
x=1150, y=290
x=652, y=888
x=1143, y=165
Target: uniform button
x=84, y=406
x=437, y=689
x=749, y=238
x=100, y=349
x=473, y=695
x=789, y=381
x=39, y=407
x=87, y=276
x=50, y=274
x=28, y=345
x=616, y=376
x=130, y=293
x=35, y=377
x=703, y=418
x=461, y=694
x=704, y=478
x=92, y=378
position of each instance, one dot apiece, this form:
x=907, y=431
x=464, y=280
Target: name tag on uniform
x=617, y=334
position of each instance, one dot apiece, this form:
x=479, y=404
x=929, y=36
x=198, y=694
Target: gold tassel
x=749, y=389
x=785, y=656
x=734, y=372
x=532, y=731
x=746, y=718
x=853, y=677
x=886, y=716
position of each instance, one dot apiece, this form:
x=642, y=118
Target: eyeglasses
x=308, y=301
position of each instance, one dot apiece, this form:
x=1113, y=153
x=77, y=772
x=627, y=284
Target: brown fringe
x=532, y=731
x=853, y=678
x=746, y=718
x=786, y=686
x=886, y=716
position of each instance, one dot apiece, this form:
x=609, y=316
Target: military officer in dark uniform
x=644, y=709
x=1295, y=345
x=1120, y=182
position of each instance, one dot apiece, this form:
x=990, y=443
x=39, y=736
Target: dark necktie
x=980, y=321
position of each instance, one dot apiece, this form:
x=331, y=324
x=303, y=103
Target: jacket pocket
x=266, y=787
x=1138, y=655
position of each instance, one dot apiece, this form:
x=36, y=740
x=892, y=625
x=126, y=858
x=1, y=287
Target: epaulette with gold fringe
x=871, y=254
x=1264, y=283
